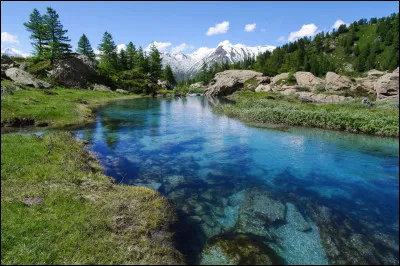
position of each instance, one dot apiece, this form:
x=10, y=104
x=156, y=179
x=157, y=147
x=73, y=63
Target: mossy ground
x=84, y=218
x=59, y=106
x=280, y=109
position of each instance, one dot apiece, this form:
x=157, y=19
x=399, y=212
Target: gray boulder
x=229, y=81
x=387, y=85
x=75, y=71
x=279, y=77
x=122, y=91
x=99, y=87
x=25, y=78
x=5, y=90
x=336, y=82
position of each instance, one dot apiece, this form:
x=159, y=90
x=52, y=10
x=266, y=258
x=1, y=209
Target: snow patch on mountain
x=13, y=52
x=187, y=66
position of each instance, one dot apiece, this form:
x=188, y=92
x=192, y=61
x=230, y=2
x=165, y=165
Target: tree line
x=50, y=42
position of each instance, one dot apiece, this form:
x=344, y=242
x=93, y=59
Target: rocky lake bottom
x=248, y=195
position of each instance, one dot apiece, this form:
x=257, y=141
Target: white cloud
x=9, y=38
x=219, y=28
x=338, y=23
x=281, y=39
x=250, y=27
x=306, y=30
x=180, y=48
x=161, y=46
x=121, y=46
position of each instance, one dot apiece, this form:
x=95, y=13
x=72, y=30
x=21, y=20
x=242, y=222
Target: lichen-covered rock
x=75, y=71
x=387, y=85
x=238, y=249
x=373, y=73
x=229, y=81
x=336, y=82
x=307, y=79
x=25, y=78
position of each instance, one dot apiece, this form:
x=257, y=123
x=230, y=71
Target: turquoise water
x=312, y=196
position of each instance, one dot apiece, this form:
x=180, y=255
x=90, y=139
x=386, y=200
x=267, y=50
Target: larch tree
x=36, y=27
x=56, y=42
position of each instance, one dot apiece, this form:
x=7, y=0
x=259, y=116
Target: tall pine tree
x=56, y=42
x=155, y=63
x=108, y=55
x=84, y=47
x=131, y=55
x=36, y=27
x=122, y=60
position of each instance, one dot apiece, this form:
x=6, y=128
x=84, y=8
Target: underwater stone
x=235, y=249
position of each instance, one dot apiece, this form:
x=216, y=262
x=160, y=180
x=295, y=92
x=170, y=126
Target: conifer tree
x=131, y=55
x=169, y=76
x=56, y=42
x=155, y=63
x=122, y=60
x=84, y=47
x=108, y=55
x=36, y=27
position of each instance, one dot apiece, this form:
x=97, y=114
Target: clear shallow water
x=312, y=196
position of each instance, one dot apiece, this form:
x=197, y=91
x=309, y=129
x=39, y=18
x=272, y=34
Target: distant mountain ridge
x=185, y=66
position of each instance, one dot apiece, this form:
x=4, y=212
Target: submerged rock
x=259, y=213
x=235, y=249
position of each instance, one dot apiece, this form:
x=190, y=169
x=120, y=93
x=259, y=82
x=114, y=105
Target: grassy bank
x=381, y=120
x=58, y=107
x=58, y=208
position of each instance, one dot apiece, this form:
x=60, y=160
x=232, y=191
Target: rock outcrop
x=164, y=84
x=335, y=82
x=307, y=79
x=387, y=85
x=197, y=85
x=25, y=78
x=321, y=98
x=229, y=81
x=75, y=71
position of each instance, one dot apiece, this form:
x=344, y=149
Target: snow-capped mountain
x=13, y=52
x=187, y=66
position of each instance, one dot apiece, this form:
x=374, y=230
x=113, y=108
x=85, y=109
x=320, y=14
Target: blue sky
x=182, y=26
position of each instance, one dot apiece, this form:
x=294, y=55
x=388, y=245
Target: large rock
x=373, y=73
x=387, y=85
x=25, y=78
x=75, y=71
x=229, y=81
x=279, y=77
x=307, y=79
x=336, y=82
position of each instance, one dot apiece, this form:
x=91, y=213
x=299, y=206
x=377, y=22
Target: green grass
x=63, y=108
x=84, y=217
x=352, y=117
